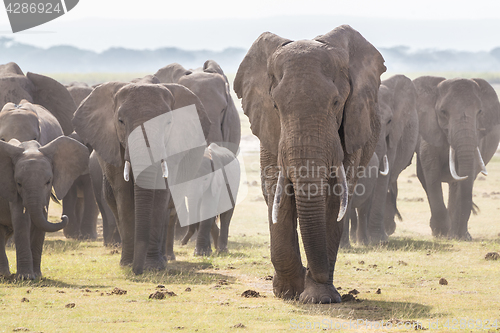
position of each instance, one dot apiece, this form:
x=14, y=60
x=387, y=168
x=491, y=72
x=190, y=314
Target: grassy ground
x=407, y=271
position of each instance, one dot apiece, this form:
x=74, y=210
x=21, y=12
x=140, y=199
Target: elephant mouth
x=344, y=194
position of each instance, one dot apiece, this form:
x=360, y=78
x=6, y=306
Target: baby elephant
x=213, y=193
x=28, y=173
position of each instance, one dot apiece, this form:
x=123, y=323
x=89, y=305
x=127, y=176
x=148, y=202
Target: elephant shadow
x=181, y=272
x=46, y=282
x=369, y=310
x=405, y=244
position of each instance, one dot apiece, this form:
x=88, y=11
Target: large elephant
x=313, y=105
x=37, y=89
x=29, y=171
x=395, y=149
x=211, y=86
x=105, y=120
x=213, y=193
x=459, y=133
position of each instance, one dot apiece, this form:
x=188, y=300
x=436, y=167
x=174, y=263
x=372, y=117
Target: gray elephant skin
x=214, y=192
x=395, y=148
x=313, y=105
x=29, y=171
x=211, y=86
x=459, y=134
x=105, y=120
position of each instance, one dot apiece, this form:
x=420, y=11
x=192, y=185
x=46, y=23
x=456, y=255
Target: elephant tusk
x=277, y=197
x=386, y=166
x=344, y=199
x=164, y=169
x=126, y=171
x=481, y=162
x=452, y=166
x=45, y=210
x=24, y=210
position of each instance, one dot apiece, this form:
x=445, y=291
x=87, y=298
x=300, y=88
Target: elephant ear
x=54, y=97
x=9, y=152
x=366, y=64
x=427, y=95
x=184, y=97
x=252, y=84
x=94, y=122
x=402, y=102
x=490, y=115
x=230, y=123
x=70, y=159
x=171, y=73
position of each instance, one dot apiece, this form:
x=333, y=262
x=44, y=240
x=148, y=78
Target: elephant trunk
x=144, y=199
x=38, y=213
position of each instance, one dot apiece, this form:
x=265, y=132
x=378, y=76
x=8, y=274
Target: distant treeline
x=69, y=59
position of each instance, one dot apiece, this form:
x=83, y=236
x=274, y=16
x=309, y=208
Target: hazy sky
x=217, y=24
x=203, y=9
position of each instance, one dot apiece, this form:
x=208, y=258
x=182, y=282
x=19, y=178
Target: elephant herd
x=160, y=151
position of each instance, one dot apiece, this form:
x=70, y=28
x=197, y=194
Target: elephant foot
x=289, y=288
x=125, y=261
x=25, y=276
x=156, y=264
x=88, y=236
x=71, y=234
x=223, y=250
x=315, y=292
x=5, y=273
x=439, y=228
x=185, y=240
x=345, y=244
x=170, y=256
x=378, y=238
x=203, y=251
x=464, y=237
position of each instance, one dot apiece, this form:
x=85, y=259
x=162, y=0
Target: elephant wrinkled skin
x=312, y=104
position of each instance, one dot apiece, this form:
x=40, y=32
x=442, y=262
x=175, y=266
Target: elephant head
x=125, y=122
x=37, y=89
x=313, y=102
x=211, y=85
x=29, y=171
x=79, y=91
x=457, y=113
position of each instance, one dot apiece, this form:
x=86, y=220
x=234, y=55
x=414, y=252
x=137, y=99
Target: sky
x=218, y=24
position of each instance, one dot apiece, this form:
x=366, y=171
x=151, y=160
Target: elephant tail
x=475, y=208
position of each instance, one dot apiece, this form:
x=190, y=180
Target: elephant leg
x=120, y=199
x=344, y=240
x=376, y=228
x=225, y=219
x=172, y=225
x=215, y=232
x=154, y=258
x=191, y=230
x=362, y=231
x=21, y=223
x=325, y=292
x=459, y=208
x=88, y=225
x=37, y=238
x=4, y=262
x=72, y=230
x=203, y=244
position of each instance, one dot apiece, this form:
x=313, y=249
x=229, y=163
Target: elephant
x=37, y=89
x=79, y=91
x=123, y=122
x=110, y=233
x=212, y=193
x=395, y=148
x=459, y=133
x=313, y=105
x=29, y=171
x=358, y=210
x=211, y=86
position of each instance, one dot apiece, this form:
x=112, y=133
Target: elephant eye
x=120, y=121
x=389, y=121
x=3, y=139
x=19, y=184
x=444, y=112
x=47, y=183
x=479, y=112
